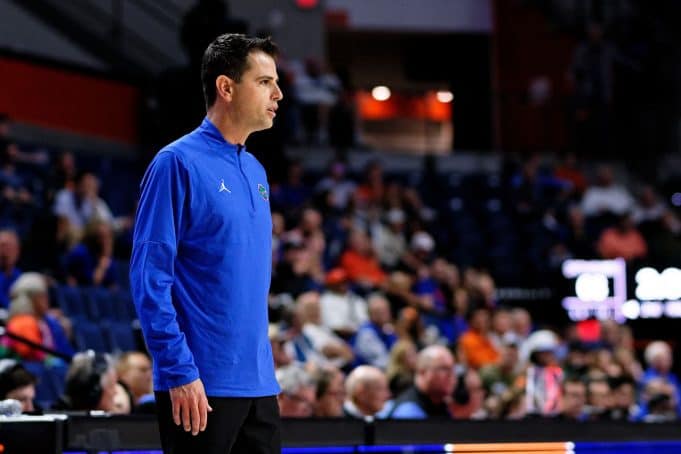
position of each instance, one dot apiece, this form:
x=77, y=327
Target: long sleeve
x=157, y=234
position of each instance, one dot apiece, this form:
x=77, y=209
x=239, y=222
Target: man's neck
x=227, y=123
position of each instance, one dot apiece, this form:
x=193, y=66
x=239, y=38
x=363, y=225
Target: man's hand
x=190, y=406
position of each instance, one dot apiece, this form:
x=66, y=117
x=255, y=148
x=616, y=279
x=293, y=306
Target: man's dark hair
x=227, y=55
x=15, y=376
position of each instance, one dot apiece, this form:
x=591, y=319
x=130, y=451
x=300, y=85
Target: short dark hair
x=15, y=376
x=227, y=55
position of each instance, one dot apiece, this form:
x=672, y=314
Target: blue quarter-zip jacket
x=201, y=266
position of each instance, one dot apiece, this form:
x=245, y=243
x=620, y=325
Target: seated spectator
x=17, y=383
x=624, y=407
x=648, y=207
x=420, y=253
x=372, y=189
x=330, y=393
x=569, y=170
x=623, y=240
x=605, y=197
x=76, y=209
x=599, y=400
x=434, y=385
x=315, y=342
x=573, y=401
x=469, y=397
x=389, y=240
x=62, y=176
x=367, y=392
x=90, y=263
x=401, y=366
x=90, y=383
x=500, y=377
x=278, y=344
x=122, y=401
x=658, y=357
x=543, y=376
x=658, y=402
x=9, y=256
x=375, y=338
x=316, y=91
x=339, y=187
x=15, y=187
x=476, y=348
x=360, y=263
x=500, y=332
x=134, y=371
x=294, y=272
x=297, y=397
x=29, y=318
x=342, y=310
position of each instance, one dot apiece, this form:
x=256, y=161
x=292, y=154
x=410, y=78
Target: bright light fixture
x=380, y=93
x=445, y=96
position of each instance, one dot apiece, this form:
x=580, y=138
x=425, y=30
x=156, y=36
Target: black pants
x=236, y=425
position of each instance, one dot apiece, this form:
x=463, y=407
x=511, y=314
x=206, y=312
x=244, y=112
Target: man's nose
x=278, y=95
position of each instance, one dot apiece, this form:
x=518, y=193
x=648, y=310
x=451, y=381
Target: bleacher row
x=103, y=320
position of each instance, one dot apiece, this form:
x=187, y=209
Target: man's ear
x=224, y=87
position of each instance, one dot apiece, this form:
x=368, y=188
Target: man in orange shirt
x=475, y=346
x=622, y=240
x=360, y=262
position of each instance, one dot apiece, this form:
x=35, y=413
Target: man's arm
x=152, y=273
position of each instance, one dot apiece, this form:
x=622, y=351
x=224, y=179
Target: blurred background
x=468, y=173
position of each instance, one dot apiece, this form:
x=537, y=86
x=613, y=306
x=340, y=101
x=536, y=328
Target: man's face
x=574, y=398
x=255, y=97
x=599, y=395
x=331, y=403
x=297, y=405
x=624, y=395
x=379, y=312
x=25, y=395
x=138, y=375
x=377, y=394
x=9, y=250
x=439, y=377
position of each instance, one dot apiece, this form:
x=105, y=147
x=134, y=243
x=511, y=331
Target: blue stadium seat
x=51, y=380
x=120, y=335
x=89, y=335
x=71, y=302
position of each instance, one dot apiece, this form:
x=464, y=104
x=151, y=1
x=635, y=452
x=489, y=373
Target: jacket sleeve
x=158, y=227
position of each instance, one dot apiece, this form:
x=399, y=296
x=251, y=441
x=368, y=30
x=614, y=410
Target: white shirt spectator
x=343, y=311
x=600, y=199
x=79, y=215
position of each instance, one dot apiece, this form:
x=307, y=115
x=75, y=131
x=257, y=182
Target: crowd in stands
x=383, y=300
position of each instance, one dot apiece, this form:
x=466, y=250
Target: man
x=329, y=393
x=431, y=395
x=376, y=337
x=297, y=397
x=599, y=399
x=202, y=260
x=573, y=404
x=134, y=371
x=10, y=250
x=367, y=392
x=342, y=310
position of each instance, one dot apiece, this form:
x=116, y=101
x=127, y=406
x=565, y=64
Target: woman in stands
x=29, y=318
